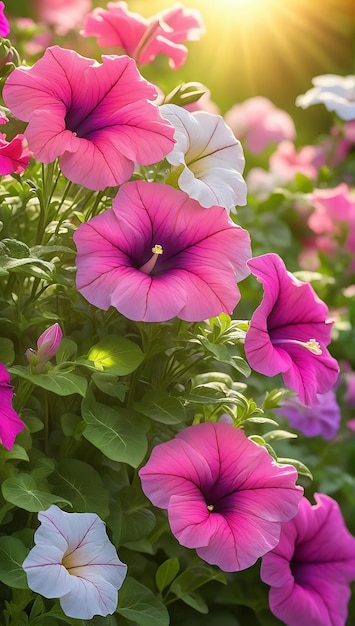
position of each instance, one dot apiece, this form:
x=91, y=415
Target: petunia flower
x=95, y=117
x=63, y=14
x=158, y=254
x=311, y=568
x=74, y=560
x=144, y=38
x=209, y=157
x=225, y=495
x=4, y=23
x=323, y=419
x=289, y=332
x=337, y=93
x=47, y=347
x=260, y=123
x=14, y=155
x=10, y=422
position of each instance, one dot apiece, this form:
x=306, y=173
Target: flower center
x=68, y=561
x=148, y=267
x=210, y=507
x=312, y=345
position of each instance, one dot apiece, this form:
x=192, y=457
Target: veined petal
x=89, y=597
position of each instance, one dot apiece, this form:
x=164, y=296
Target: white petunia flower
x=73, y=560
x=210, y=158
x=337, y=93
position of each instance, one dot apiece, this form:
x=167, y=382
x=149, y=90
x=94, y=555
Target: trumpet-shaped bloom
x=337, y=93
x=4, y=24
x=225, y=495
x=311, y=568
x=10, y=422
x=47, y=347
x=14, y=155
x=289, y=332
x=141, y=38
x=260, y=123
x=95, y=117
x=323, y=419
x=158, y=254
x=210, y=158
x=74, y=560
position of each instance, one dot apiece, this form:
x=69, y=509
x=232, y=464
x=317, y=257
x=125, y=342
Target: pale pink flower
x=64, y=14
x=158, y=254
x=10, y=422
x=225, y=495
x=73, y=560
x=210, y=158
x=259, y=123
x=97, y=118
x=47, y=347
x=287, y=161
x=145, y=38
x=337, y=93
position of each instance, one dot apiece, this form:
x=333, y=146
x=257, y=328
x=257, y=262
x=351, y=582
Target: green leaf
x=161, y=407
x=196, y=602
x=21, y=490
x=110, y=385
x=139, y=604
x=83, y=486
x=223, y=354
x=300, y=467
x=166, y=573
x=194, y=577
x=12, y=555
x=17, y=452
x=210, y=393
x=130, y=519
x=119, y=434
x=116, y=355
x=60, y=383
x=7, y=351
x=275, y=435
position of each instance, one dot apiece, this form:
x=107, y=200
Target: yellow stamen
x=312, y=345
x=148, y=267
x=157, y=249
x=210, y=507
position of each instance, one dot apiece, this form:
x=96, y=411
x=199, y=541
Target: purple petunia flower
x=225, y=495
x=311, y=568
x=158, y=254
x=10, y=423
x=290, y=331
x=322, y=419
x=97, y=118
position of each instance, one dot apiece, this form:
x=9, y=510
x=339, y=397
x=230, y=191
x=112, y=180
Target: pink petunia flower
x=143, y=39
x=260, y=123
x=10, y=422
x=95, y=117
x=337, y=93
x=210, y=158
x=158, y=254
x=289, y=332
x=311, y=568
x=14, y=155
x=47, y=347
x=4, y=23
x=63, y=14
x=73, y=560
x=321, y=420
x=225, y=495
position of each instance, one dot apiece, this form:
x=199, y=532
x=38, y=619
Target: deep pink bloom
x=10, y=423
x=260, y=123
x=4, y=24
x=310, y=570
x=289, y=332
x=323, y=419
x=198, y=256
x=225, y=495
x=96, y=117
x=331, y=207
x=14, y=155
x=64, y=14
x=141, y=38
x=47, y=347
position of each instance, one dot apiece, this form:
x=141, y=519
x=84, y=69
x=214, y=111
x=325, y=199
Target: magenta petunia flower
x=158, y=254
x=10, y=422
x=47, y=347
x=289, y=332
x=14, y=155
x=311, y=568
x=323, y=419
x=4, y=24
x=97, y=118
x=225, y=495
x=145, y=38
x=74, y=560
